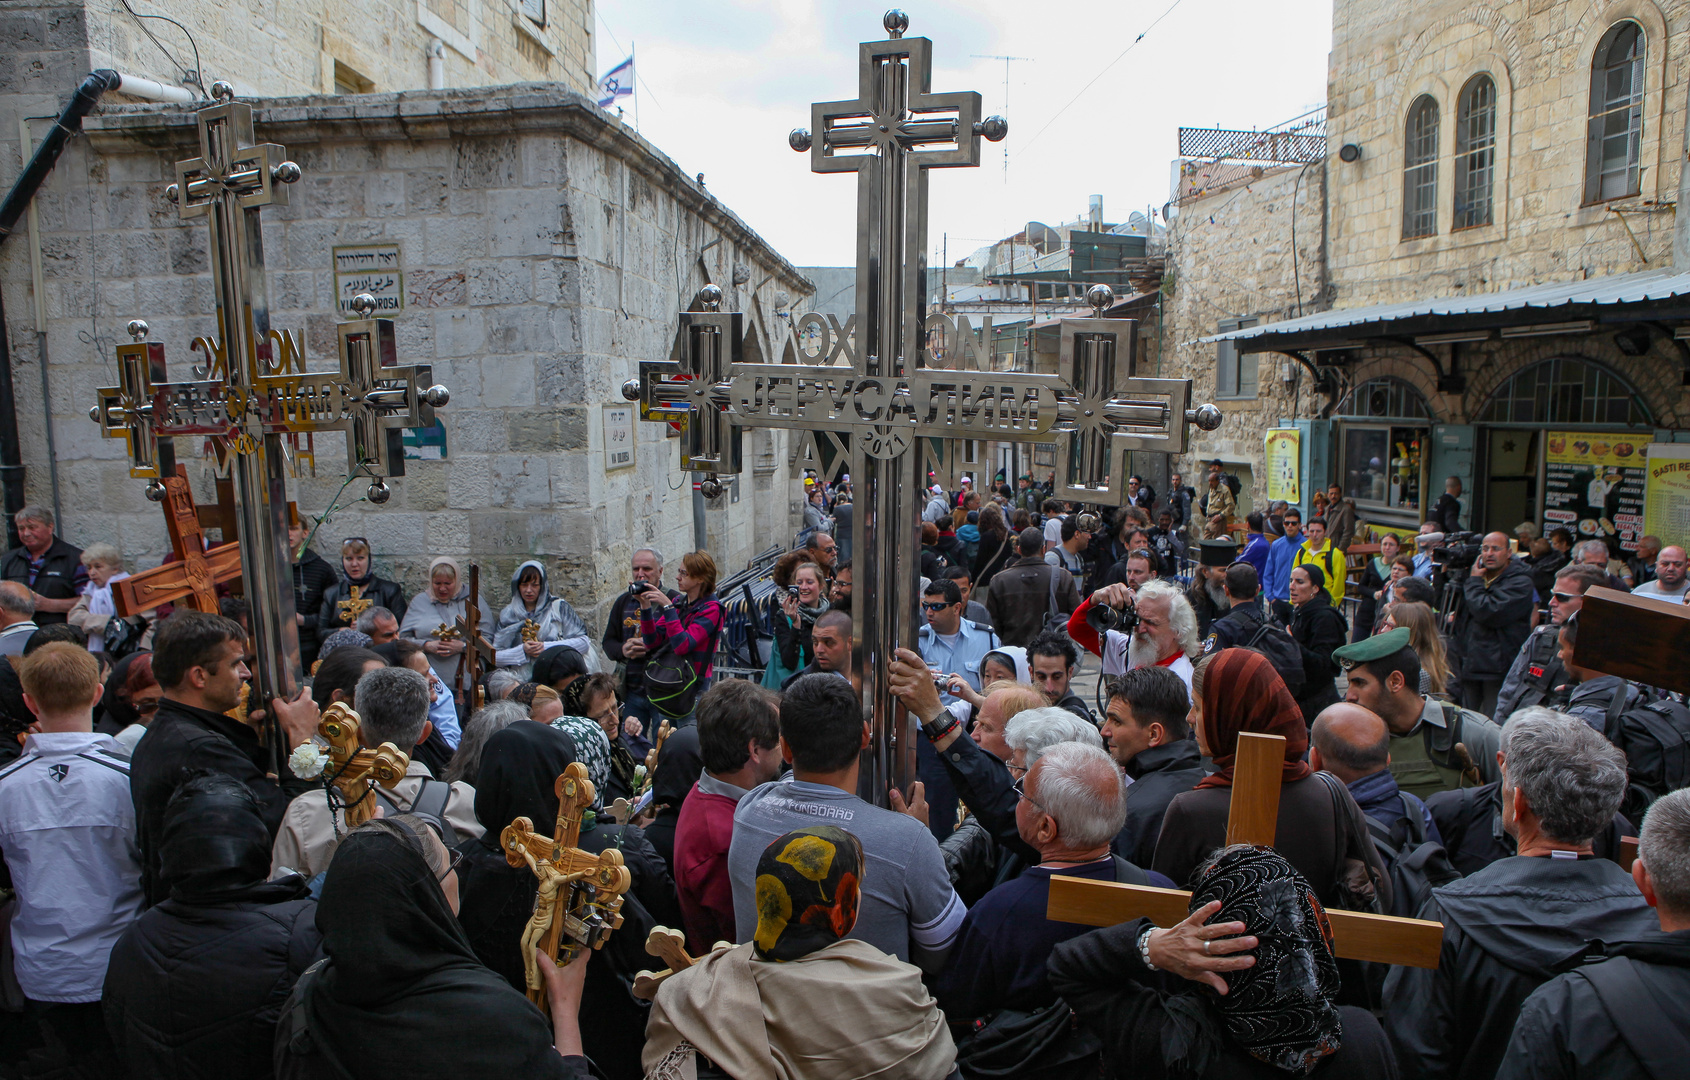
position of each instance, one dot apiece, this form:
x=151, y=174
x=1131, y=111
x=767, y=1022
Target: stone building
x=543, y=249
x=1484, y=271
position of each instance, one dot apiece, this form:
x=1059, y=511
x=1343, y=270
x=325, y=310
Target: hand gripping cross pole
x=890, y=402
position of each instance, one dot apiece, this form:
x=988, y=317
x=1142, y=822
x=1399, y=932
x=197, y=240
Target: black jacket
x=386, y=594
x=982, y=783
x=312, y=576
x=1470, y=821
x=1102, y=978
x=181, y=739
x=1493, y=622
x=193, y=991
x=1159, y=774
x=1446, y=513
x=1076, y=704
x=1019, y=599
x=1505, y=930
x=1318, y=629
x=996, y=551
x=1623, y=1018
x=57, y=579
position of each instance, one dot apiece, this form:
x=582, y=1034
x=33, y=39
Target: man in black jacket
x=1446, y=512
x=1145, y=731
x=312, y=576
x=1509, y=925
x=45, y=564
x=624, y=645
x=1053, y=658
x=1622, y=1014
x=1019, y=598
x=1494, y=621
x=195, y=985
x=197, y=660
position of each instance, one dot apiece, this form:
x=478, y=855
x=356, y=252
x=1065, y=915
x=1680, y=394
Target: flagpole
x=635, y=72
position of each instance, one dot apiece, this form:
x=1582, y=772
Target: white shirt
x=67, y=831
x=1115, y=659
x=1655, y=588
x=1053, y=530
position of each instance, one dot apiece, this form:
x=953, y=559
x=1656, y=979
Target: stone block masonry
x=544, y=251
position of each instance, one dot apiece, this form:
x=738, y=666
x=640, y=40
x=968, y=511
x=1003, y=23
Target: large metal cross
x=889, y=399
x=252, y=392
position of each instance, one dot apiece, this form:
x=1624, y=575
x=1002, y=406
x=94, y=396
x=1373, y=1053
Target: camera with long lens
x=1457, y=552
x=1101, y=617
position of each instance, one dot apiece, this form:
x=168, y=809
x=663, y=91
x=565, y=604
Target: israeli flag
x=617, y=82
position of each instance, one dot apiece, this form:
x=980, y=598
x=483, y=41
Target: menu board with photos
x=1593, y=485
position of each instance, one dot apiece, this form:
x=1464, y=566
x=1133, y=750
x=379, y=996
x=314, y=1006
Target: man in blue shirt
x=954, y=646
x=1282, y=555
x=1256, y=545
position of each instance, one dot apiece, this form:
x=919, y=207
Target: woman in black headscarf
x=1261, y=1000
x=558, y=666
x=195, y=985
x=519, y=770
x=401, y=992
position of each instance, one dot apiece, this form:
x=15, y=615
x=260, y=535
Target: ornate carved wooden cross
x=1252, y=819
x=890, y=396
x=354, y=768
x=193, y=578
x=479, y=652
x=669, y=946
x=354, y=605
x=579, y=901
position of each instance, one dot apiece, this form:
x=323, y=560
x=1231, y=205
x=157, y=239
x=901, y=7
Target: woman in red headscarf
x=1234, y=691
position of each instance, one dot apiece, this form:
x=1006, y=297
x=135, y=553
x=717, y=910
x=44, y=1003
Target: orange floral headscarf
x=808, y=883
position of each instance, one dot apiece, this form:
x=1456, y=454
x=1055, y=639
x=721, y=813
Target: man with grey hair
x=1073, y=802
x=1508, y=926
x=44, y=564
x=392, y=705
x=378, y=622
x=1596, y=553
x=1626, y=1016
x=17, y=608
x=1031, y=732
x=622, y=640
x=1166, y=634
x=500, y=683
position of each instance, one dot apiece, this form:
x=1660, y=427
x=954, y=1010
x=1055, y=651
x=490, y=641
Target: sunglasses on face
x=1564, y=597
x=939, y=605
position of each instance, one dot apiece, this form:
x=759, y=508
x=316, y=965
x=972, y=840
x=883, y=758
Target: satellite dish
x=1137, y=224
x=1043, y=238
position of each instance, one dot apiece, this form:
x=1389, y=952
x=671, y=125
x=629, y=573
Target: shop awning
x=1560, y=307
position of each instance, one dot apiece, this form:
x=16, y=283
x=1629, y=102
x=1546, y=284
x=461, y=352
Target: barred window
x=1614, y=148
x=1420, y=170
x=1475, y=153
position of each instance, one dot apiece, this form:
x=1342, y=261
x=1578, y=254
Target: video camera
x=1454, y=552
x=1102, y=617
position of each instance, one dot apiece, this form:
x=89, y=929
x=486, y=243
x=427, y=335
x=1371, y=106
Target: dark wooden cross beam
x=1252, y=819
x=1641, y=638
x=191, y=580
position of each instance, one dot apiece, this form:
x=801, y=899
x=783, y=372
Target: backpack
x=1231, y=482
x=1417, y=865
x=1282, y=652
x=1655, y=736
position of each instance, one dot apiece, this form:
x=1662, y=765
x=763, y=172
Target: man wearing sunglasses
x=1537, y=676
x=951, y=645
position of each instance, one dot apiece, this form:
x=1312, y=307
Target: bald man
x=1671, y=580
x=1353, y=744
x=1493, y=623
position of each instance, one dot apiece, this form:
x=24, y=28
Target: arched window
x=1475, y=152
x=1566, y=390
x=1420, y=170
x=1387, y=397
x=1616, y=115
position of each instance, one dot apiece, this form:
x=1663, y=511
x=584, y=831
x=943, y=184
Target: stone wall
x=1232, y=258
x=1538, y=52
x=545, y=251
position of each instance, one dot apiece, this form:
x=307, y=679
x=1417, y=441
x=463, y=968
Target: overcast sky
x=722, y=83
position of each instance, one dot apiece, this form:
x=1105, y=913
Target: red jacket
x=702, y=835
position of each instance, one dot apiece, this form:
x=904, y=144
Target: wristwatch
x=940, y=726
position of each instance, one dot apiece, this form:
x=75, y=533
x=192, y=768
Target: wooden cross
x=354, y=605
x=193, y=578
x=354, y=768
x=579, y=900
x=668, y=946
x=225, y=516
x=1641, y=638
x=530, y=631
x=1252, y=819
x=480, y=650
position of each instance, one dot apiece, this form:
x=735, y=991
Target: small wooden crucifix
x=479, y=652
x=191, y=580
x=354, y=605
x=579, y=900
x=354, y=768
x=1252, y=819
x=669, y=946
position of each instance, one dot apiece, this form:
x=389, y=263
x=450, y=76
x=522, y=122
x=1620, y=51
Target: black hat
x=1219, y=552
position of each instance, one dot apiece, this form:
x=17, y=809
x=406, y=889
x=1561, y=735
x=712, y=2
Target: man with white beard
x=1166, y=634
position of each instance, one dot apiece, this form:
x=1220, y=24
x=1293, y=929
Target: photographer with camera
x=1494, y=621
x=801, y=604
x=622, y=641
x=1152, y=626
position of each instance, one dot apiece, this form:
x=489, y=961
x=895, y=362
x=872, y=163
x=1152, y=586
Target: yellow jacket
x=1330, y=559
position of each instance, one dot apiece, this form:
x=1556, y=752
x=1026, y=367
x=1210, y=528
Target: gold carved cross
x=354, y=606
x=530, y=630
x=355, y=769
x=1252, y=819
x=579, y=900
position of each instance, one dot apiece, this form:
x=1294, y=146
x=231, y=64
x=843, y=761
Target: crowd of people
x=186, y=897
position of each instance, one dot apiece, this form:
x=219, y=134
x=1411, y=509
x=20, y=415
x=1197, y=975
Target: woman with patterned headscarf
x=1261, y=998
x=800, y=1000
x=1237, y=691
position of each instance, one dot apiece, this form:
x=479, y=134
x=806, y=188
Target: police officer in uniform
x=1435, y=746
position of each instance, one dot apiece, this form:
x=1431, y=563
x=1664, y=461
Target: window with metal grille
x=1388, y=397
x=1235, y=372
x=1420, y=170
x=1566, y=390
x=1615, y=143
x=1475, y=152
